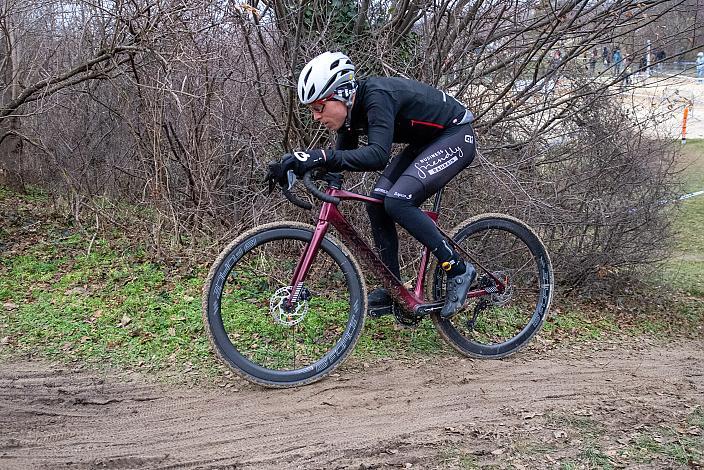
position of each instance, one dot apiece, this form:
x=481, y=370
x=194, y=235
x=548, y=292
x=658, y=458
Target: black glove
x=302, y=162
x=276, y=175
x=299, y=162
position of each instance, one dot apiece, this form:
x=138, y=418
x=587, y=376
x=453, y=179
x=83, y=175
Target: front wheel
x=252, y=326
x=501, y=317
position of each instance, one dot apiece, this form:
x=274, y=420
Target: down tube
x=371, y=262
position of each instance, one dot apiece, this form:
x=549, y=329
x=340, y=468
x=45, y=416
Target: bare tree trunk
x=11, y=144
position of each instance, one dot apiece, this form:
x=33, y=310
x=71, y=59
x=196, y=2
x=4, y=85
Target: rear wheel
x=250, y=324
x=503, y=319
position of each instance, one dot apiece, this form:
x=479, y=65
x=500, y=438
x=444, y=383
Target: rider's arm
x=347, y=140
x=381, y=112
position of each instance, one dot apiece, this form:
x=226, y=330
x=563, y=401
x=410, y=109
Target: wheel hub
x=285, y=313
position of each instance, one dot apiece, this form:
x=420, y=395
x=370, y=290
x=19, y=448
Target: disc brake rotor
x=502, y=298
x=488, y=283
x=283, y=313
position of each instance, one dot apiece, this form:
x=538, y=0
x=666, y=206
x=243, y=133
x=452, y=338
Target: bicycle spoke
x=500, y=322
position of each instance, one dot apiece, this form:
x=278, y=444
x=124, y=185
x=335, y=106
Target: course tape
x=694, y=194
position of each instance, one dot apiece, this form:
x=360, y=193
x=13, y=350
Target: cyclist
x=440, y=141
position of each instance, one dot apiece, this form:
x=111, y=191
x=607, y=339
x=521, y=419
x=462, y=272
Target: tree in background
x=176, y=105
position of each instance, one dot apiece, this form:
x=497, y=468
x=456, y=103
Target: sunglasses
x=319, y=106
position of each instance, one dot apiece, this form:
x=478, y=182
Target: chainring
x=405, y=319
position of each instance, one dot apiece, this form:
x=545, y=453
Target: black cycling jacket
x=391, y=110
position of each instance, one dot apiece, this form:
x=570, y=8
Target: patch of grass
x=594, y=458
x=383, y=338
x=587, y=430
x=696, y=419
x=585, y=426
x=692, y=164
x=666, y=446
x=101, y=308
x=575, y=323
x=685, y=270
x=458, y=458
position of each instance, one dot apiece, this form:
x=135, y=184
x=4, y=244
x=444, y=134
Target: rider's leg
x=385, y=236
x=386, y=241
x=434, y=167
x=384, y=228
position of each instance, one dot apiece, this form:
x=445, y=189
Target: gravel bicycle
x=285, y=303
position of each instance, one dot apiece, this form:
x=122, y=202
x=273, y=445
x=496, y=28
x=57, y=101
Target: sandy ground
x=667, y=98
x=392, y=414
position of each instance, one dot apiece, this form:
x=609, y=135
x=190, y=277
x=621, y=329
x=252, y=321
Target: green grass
x=692, y=165
x=685, y=271
x=452, y=457
x=117, y=306
x=666, y=447
x=102, y=308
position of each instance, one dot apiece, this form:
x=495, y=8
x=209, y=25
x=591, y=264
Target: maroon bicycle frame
x=329, y=214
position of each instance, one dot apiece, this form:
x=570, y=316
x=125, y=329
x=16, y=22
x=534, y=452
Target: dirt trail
x=392, y=414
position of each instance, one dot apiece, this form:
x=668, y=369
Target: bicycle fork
x=306, y=260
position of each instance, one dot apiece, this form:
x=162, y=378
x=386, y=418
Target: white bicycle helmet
x=323, y=75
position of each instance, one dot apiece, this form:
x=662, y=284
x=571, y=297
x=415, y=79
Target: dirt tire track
x=388, y=415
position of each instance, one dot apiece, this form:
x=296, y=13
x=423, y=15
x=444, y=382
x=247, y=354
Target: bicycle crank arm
x=427, y=309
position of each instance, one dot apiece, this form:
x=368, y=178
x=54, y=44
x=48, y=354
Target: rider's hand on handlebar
x=276, y=175
x=298, y=162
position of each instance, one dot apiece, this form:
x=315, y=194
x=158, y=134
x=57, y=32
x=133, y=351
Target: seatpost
x=438, y=199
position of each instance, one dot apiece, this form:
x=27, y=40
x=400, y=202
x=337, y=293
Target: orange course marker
x=684, y=125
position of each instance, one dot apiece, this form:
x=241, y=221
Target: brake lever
x=291, y=177
x=295, y=200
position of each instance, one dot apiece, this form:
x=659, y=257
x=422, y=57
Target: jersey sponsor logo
x=380, y=190
x=469, y=139
x=403, y=196
x=438, y=162
x=302, y=156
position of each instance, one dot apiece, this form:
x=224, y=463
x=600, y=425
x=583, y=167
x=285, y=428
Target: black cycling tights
x=410, y=179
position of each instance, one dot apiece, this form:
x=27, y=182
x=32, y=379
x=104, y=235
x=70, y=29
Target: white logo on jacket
x=302, y=156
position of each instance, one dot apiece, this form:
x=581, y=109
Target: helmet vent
x=331, y=81
x=334, y=64
x=305, y=79
x=311, y=91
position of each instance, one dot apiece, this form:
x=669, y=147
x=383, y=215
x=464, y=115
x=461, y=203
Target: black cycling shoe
x=380, y=303
x=457, y=288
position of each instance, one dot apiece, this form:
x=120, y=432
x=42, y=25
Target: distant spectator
x=643, y=66
x=660, y=57
x=617, y=60
x=592, y=62
x=627, y=63
x=605, y=56
x=554, y=62
x=700, y=67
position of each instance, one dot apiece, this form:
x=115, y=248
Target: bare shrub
x=174, y=107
